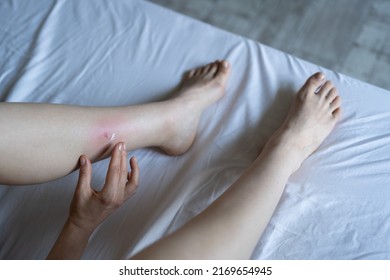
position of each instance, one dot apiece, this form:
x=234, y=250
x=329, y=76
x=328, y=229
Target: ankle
x=178, y=128
x=283, y=146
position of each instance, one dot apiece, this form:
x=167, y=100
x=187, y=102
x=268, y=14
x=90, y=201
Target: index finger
x=123, y=172
x=114, y=170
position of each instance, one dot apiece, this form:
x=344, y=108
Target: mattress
x=113, y=53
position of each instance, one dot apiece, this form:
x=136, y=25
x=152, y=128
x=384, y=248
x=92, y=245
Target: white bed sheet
x=106, y=53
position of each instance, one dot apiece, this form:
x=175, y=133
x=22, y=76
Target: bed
x=112, y=53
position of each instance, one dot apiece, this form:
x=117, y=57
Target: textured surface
x=351, y=37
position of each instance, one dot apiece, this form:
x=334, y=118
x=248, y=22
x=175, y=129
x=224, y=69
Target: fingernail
x=120, y=146
x=82, y=161
x=225, y=64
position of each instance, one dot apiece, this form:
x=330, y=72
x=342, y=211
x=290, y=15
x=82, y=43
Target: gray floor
x=349, y=36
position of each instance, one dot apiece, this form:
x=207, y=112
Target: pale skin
x=40, y=131
x=232, y=225
x=221, y=231
x=89, y=207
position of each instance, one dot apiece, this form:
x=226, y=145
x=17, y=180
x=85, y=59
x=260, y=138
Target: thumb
x=85, y=174
x=133, y=177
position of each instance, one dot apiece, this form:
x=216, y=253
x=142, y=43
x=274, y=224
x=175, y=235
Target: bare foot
x=200, y=88
x=311, y=118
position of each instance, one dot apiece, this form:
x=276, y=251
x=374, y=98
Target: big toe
x=314, y=82
x=222, y=72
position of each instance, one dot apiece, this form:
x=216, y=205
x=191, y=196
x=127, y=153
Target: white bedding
x=101, y=53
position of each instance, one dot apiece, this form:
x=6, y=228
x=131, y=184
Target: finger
x=123, y=171
x=133, y=177
x=85, y=174
x=114, y=170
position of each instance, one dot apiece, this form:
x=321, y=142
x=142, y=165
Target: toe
x=198, y=72
x=225, y=65
x=331, y=95
x=335, y=103
x=313, y=83
x=213, y=69
x=206, y=69
x=325, y=89
x=222, y=72
x=336, y=113
x=191, y=74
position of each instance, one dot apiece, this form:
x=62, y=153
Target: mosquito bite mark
x=109, y=136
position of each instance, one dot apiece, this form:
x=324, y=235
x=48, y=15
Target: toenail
x=319, y=76
x=225, y=64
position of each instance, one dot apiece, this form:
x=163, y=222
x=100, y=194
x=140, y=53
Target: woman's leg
x=232, y=225
x=41, y=142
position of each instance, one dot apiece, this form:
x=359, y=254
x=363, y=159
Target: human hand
x=89, y=207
